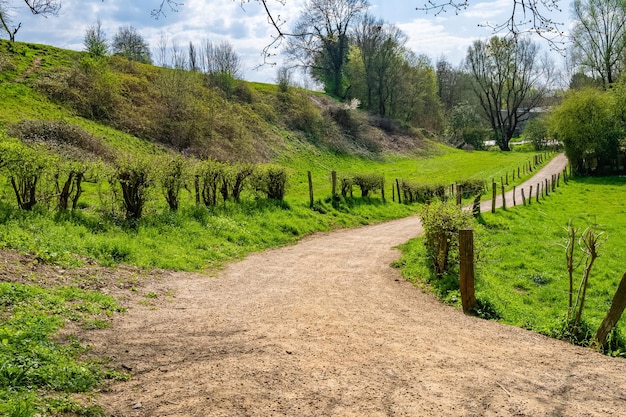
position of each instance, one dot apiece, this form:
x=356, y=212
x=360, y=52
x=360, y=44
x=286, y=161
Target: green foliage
x=24, y=166
x=442, y=222
x=134, y=176
x=536, y=131
x=173, y=172
x=271, y=180
x=32, y=364
x=369, y=183
x=421, y=193
x=588, y=124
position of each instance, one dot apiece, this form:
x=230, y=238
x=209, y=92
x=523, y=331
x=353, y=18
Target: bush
x=271, y=181
x=471, y=188
x=173, y=176
x=67, y=138
x=421, y=193
x=134, y=175
x=369, y=183
x=442, y=222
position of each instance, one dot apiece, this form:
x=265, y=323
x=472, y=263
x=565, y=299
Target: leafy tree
x=95, y=41
x=129, y=43
x=536, y=131
x=320, y=41
x=509, y=80
x=587, y=124
x=599, y=38
x=454, y=86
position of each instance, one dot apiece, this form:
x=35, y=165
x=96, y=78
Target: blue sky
x=246, y=27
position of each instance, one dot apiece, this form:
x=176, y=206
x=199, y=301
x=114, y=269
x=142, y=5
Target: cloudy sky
x=246, y=27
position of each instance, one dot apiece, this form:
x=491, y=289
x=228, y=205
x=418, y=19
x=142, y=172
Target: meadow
x=521, y=273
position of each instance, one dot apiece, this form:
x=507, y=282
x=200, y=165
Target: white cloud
x=489, y=10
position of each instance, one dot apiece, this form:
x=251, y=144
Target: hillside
x=128, y=103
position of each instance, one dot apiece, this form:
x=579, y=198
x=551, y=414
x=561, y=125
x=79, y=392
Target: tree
x=221, y=59
x=599, y=38
x=454, y=86
x=95, y=40
x=129, y=43
x=587, y=124
x=320, y=41
x=40, y=7
x=509, y=81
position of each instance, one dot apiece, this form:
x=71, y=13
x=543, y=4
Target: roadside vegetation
x=521, y=271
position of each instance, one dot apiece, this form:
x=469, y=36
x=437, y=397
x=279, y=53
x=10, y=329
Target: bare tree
x=510, y=79
x=40, y=7
x=320, y=39
x=193, y=57
x=221, y=59
x=599, y=38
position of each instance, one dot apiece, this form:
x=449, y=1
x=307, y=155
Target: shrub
x=346, y=186
x=369, y=183
x=68, y=139
x=421, y=193
x=442, y=222
x=471, y=188
x=25, y=166
x=271, y=181
x=209, y=178
x=172, y=176
x=134, y=175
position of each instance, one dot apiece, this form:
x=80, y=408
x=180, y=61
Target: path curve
x=327, y=328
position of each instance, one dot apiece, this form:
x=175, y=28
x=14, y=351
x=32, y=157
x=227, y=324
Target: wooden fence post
x=547, y=187
x=310, y=189
x=476, y=206
x=333, y=176
x=530, y=195
x=503, y=198
x=393, y=192
x=466, y=269
x=382, y=189
x=514, y=196
x=523, y=197
x=399, y=197
x=493, y=196
x=518, y=173
x=538, y=191
x=459, y=195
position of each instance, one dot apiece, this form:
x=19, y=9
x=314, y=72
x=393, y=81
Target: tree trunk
x=614, y=314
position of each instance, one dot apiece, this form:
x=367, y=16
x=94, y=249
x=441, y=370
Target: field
x=521, y=266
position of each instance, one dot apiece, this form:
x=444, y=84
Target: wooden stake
x=310, y=189
x=466, y=269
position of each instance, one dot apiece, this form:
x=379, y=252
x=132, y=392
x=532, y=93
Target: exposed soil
x=327, y=328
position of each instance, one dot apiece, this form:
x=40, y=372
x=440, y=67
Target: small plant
x=369, y=183
x=442, y=222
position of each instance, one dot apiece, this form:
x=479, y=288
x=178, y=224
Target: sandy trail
x=327, y=328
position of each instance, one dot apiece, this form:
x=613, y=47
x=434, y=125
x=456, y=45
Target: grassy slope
x=522, y=268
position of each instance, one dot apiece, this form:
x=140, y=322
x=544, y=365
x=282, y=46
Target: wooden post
x=466, y=269
x=554, y=182
x=382, y=188
x=547, y=187
x=530, y=195
x=523, y=197
x=518, y=173
x=393, y=193
x=493, y=196
x=196, y=184
x=476, y=206
x=399, y=197
x=538, y=191
x=514, y=204
x=503, y=198
x=333, y=175
x=459, y=195
x=310, y=189
x=558, y=180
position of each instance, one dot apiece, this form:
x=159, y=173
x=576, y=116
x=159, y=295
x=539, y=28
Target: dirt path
x=328, y=328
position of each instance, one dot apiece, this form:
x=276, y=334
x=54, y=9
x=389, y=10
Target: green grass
x=521, y=268
x=38, y=374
